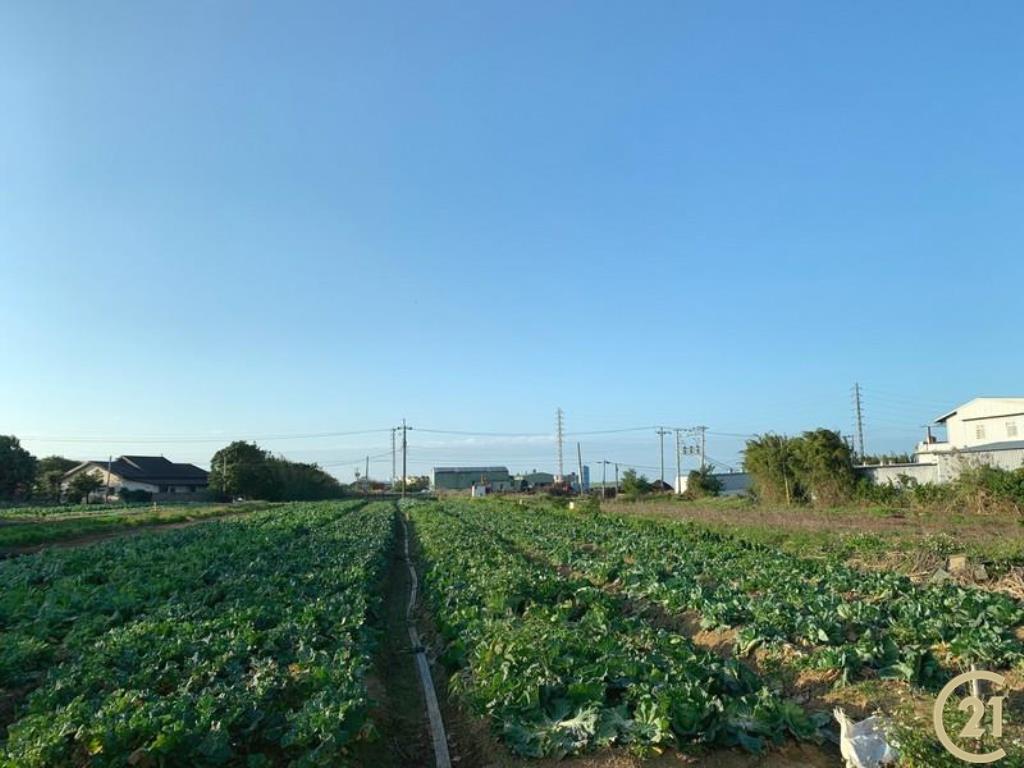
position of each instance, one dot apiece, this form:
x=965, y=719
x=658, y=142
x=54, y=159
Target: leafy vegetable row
x=25, y=532
x=559, y=667
x=837, y=617
x=238, y=642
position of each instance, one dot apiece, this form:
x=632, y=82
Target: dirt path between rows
x=398, y=713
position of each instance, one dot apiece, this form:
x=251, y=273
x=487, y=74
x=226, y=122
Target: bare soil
x=400, y=737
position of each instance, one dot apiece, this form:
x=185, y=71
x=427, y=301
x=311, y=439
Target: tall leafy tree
x=817, y=467
x=82, y=484
x=296, y=481
x=769, y=459
x=634, y=484
x=17, y=468
x=243, y=469
x=50, y=472
x=824, y=466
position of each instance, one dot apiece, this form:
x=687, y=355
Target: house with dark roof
x=152, y=474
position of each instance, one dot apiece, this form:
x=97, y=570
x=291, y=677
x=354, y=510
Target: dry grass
x=859, y=520
x=916, y=542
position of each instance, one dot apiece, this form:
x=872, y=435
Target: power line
x=468, y=433
x=718, y=463
x=360, y=460
x=221, y=439
x=611, y=431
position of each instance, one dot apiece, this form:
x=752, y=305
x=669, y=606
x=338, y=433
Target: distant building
x=732, y=483
x=464, y=478
x=573, y=480
x=534, y=481
x=152, y=474
x=986, y=430
x=989, y=422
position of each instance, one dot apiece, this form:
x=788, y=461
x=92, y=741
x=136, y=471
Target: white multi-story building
x=986, y=430
x=984, y=421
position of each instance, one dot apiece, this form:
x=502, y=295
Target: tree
x=824, y=467
x=817, y=467
x=50, y=473
x=83, y=484
x=634, y=484
x=243, y=469
x=295, y=481
x=887, y=458
x=769, y=460
x=17, y=468
x=246, y=470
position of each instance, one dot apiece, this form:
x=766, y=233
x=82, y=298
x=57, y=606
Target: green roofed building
x=464, y=478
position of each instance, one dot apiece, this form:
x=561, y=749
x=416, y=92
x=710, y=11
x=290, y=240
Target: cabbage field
x=240, y=642
x=565, y=629
x=254, y=641
x=559, y=665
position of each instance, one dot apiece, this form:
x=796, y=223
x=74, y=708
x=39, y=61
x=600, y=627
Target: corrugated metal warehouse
x=463, y=478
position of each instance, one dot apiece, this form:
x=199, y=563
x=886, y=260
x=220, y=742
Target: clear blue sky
x=235, y=219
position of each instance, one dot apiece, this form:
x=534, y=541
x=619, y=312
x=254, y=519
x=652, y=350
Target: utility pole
x=679, y=459
x=366, y=477
x=703, y=445
x=616, y=479
x=405, y=446
x=393, y=469
x=604, y=478
x=661, y=432
x=860, y=420
x=579, y=459
x=560, y=429
x=106, y=493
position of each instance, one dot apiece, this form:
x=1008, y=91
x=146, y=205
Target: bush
x=634, y=485
x=881, y=493
x=985, y=487
x=930, y=494
x=979, y=489
x=701, y=483
x=587, y=505
x=134, y=496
